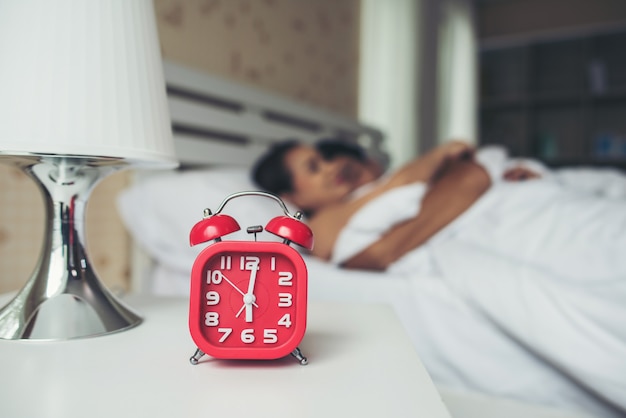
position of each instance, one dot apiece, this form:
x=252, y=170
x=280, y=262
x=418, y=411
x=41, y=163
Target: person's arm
x=454, y=192
x=328, y=222
x=428, y=167
x=520, y=173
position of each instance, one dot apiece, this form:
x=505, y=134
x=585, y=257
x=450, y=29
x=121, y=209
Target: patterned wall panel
x=304, y=49
x=21, y=227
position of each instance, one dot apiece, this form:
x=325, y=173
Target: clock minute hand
x=249, y=297
x=252, y=280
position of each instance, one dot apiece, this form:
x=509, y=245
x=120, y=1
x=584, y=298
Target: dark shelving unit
x=560, y=101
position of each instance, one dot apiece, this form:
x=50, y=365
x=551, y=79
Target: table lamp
x=82, y=94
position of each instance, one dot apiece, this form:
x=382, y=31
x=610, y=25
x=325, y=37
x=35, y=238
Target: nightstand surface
x=361, y=364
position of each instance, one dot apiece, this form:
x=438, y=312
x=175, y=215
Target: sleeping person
x=541, y=259
x=330, y=188
x=333, y=181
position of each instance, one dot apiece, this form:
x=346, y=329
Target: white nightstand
x=361, y=364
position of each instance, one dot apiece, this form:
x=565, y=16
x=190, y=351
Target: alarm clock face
x=248, y=300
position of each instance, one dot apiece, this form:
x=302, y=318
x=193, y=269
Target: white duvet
x=542, y=261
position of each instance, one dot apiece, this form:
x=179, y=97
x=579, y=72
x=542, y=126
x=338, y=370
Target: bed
x=220, y=128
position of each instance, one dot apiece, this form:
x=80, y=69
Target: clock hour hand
x=252, y=264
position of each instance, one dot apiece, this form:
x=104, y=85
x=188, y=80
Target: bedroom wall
x=305, y=50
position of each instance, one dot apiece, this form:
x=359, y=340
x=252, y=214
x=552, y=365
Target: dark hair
x=334, y=147
x=270, y=172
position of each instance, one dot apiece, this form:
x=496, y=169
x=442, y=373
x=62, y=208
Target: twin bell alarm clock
x=249, y=298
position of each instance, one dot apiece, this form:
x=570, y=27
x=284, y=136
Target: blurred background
x=546, y=78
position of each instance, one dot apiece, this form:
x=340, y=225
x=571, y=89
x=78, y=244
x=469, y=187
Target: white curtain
x=388, y=85
x=398, y=72
x=457, y=72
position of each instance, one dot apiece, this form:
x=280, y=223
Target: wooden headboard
x=216, y=121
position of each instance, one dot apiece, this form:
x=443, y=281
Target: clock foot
x=298, y=355
x=196, y=357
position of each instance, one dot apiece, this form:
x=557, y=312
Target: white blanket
x=542, y=260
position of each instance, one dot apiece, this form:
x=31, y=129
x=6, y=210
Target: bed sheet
x=540, y=261
x=460, y=347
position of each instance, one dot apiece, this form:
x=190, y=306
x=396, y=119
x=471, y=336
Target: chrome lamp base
x=64, y=298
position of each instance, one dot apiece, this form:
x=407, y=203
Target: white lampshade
x=84, y=78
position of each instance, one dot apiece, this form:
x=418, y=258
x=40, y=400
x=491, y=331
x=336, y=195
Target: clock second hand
x=240, y=311
x=236, y=288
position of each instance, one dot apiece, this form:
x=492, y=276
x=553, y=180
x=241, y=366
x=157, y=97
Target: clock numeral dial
x=269, y=336
x=285, y=300
x=249, y=262
x=285, y=278
x=214, y=276
x=212, y=298
x=225, y=333
x=225, y=262
x=285, y=320
x=212, y=319
x=247, y=336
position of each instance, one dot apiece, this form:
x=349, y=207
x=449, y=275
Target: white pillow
x=160, y=210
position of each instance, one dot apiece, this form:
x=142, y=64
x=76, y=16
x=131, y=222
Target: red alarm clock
x=249, y=298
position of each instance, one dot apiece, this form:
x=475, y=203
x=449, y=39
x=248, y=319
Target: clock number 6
x=247, y=336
